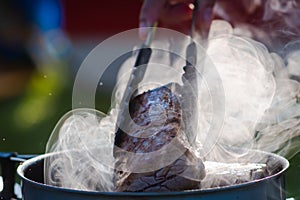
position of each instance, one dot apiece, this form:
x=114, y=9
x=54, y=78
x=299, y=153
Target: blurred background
x=42, y=44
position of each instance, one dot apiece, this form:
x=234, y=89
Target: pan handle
x=8, y=161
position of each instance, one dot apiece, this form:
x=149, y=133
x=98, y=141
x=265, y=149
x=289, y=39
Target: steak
x=154, y=154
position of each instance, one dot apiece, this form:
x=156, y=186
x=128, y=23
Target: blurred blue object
x=19, y=20
x=46, y=14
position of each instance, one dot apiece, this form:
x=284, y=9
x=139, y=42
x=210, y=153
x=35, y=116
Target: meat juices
x=158, y=116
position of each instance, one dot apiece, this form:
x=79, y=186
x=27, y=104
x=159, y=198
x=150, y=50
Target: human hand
x=175, y=14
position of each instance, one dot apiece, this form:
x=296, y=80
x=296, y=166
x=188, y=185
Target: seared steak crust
x=156, y=123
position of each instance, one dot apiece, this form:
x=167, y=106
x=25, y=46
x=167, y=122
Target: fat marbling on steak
x=160, y=158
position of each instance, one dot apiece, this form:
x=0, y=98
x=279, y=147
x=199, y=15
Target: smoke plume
x=248, y=99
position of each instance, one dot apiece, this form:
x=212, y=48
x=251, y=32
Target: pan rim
x=22, y=167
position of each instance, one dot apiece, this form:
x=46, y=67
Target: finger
x=205, y=16
x=150, y=12
x=203, y=22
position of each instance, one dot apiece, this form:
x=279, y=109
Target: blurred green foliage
x=293, y=178
x=27, y=120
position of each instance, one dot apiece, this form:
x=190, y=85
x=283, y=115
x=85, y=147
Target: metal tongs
x=138, y=72
x=189, y=90
x=190, y=84
x=136, y=77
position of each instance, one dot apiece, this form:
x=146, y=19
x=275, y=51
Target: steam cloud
x=261, y=102
x=86, y=138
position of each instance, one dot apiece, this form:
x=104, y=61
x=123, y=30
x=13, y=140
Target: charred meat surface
x=156, y=125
